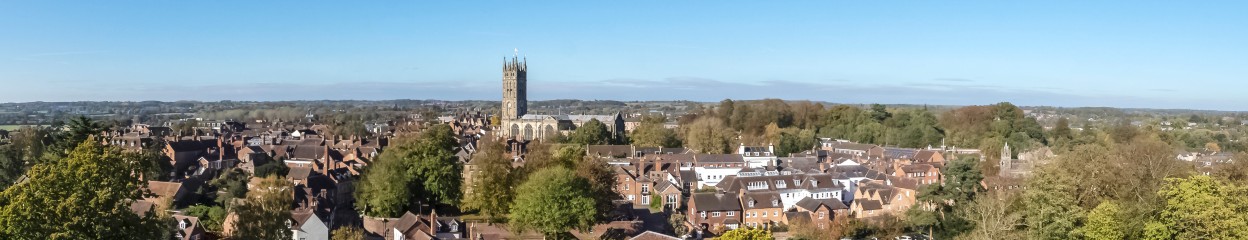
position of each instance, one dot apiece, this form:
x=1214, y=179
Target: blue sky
x=1155, y=54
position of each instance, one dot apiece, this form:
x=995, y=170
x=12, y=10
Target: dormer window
x=775, y=203
x=751, y=203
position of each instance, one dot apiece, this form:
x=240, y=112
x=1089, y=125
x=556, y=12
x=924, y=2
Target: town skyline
x=1154, y=55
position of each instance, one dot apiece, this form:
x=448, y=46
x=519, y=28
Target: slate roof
x=716, y=202
x=761, y=200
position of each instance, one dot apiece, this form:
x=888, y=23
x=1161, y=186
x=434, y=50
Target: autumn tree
x=652, y=133
x=995, y=216
x=491, y=187
x=553, y=201
x=86, y=195
x=709, y=135
x=348, y=233
x=265, y=213
x=746, y=234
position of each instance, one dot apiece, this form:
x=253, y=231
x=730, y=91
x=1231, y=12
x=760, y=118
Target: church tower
x=515, y=97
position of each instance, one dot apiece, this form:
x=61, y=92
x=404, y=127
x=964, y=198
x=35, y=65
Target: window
x=822, y=215
x=731, y=213
x=631, y=197
x=775, y=213
x=751, y=203
x=645, y=188
x=645, y=200
x=715, y=214
x=703, y=214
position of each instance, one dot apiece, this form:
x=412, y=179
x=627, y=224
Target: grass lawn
x=10, y=127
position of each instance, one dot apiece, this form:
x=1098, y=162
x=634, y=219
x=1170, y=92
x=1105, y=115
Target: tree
x=1213, y=147
x=677, y=221
x=232, y=183
x=265, y=213
x=1053, y=211
x=746, y=234
x=211, y=218
x=11, y=166
x=348, y=233
x=602, y=182
x=272, y=168
x=652, y=133
x=86, y=195
x=1199, y=207
x=709, y=135
x=79, y=129
x=1103, y=223
x=413, y=171
x=592, y=132
x=491, y=187
x=553, y=201
x=995, y=217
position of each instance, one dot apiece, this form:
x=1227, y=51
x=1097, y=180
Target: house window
x=731, y=213
x=822, y=215
x=631, y=197
x=645, y=188
x=703, y=214
x=645, y=200
x=715, y=214
x=775, y=213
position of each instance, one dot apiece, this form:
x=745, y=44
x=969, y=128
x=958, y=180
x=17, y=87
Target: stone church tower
x=515, y=93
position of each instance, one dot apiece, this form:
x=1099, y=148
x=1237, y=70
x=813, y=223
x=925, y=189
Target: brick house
x=715, y=212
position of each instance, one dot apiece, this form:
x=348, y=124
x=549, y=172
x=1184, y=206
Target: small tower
x=515, y=97
x=1007, y=162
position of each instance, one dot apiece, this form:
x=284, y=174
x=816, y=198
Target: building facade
x=518, y=124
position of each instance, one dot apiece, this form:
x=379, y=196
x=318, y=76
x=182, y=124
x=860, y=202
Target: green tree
x=79, y=129
x=709, y=135
x=1053, y=210
x=412, y=171
x=272, y=168
x=651, y=133
x=491, y=191
x=1103, y=223
x=1200, y=207
x=433, y=162
x=746, y=234
x=265, y=213
x=86, y=195
x=211, y=218
x=553, y=201
x=348, y=233
x=592, y=132
x=11, y=166
x=230, y=185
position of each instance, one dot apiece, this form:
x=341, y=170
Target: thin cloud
x=961, y=80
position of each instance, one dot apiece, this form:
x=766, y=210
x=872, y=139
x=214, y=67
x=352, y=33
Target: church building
x=518, y=124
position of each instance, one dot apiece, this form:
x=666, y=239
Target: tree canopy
x=265, y=213
x=86, y=195
x=553, y=201
x=412, y=171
